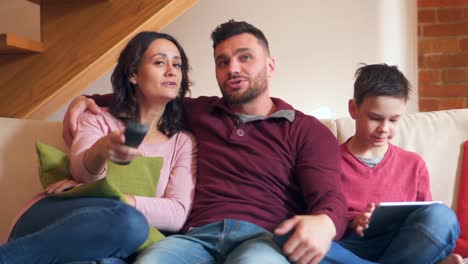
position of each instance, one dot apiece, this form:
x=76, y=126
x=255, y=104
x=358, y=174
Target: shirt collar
x=283, y=110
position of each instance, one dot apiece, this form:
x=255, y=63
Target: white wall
x=317, y=46
x=20, y=17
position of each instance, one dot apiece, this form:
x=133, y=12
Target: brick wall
x=443, y=54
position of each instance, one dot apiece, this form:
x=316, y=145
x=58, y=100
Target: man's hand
x=361, y=222
x=311, y=239
x=70, y=121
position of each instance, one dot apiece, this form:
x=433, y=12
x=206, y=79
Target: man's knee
x=175, y=249
x=263, y=250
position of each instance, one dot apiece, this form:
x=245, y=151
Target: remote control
x=134, y=135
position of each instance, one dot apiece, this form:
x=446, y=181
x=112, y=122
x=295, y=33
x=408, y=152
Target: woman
x=149, y=82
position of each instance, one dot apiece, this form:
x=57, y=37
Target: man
x=268, y=187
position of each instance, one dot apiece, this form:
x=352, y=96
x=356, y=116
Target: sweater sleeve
x=424, y=186
x=349, y=171
x=318, y=168
x=90, y=129
x=102, y=100
x=170, y=211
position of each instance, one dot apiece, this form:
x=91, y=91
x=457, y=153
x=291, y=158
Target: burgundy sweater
x=401, y=176
x=262, y=171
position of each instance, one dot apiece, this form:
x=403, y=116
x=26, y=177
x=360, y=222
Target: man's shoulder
x=311, y=131
x=309, y=122
x=201, y=100
x=299, y=116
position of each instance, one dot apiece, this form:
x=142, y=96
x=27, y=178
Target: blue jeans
x=427, y=235
x=75, y=230
x=228, y=241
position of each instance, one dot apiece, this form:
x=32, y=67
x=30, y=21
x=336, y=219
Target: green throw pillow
x=140, y=177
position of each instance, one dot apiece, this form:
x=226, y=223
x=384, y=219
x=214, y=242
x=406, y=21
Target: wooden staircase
x=80, y=41
x=11, y=43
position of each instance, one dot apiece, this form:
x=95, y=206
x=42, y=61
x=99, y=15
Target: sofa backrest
x=19, y=179
x=438, y=137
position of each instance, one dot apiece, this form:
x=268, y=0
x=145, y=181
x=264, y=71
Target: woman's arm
x=99, y=138
x=90, y=130
x=170, y=212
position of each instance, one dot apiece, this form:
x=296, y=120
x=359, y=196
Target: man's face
x=242, y=68
x=377, y=119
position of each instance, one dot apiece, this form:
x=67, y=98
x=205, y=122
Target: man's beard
x=257, y=86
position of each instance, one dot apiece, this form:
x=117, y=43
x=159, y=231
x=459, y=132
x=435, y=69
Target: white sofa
x=437, y=136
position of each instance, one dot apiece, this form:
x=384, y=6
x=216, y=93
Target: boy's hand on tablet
x=361, y=222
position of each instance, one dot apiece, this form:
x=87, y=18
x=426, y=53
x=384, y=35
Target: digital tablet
x=391, y=213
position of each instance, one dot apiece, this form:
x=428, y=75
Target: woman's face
x=159, y=74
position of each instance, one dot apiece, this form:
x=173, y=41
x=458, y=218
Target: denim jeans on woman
x=427, y=235
x=228, y=241
x=81, y=230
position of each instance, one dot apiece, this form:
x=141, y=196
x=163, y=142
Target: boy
x=376, y=171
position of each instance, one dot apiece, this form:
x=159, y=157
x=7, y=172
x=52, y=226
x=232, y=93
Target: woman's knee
x=129, y=224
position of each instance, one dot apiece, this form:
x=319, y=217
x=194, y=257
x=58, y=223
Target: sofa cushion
x=53, y=164
x=144, y=172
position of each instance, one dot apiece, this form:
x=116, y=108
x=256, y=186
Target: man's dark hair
x=233, y=28
x=380, y=80
x=124, y=104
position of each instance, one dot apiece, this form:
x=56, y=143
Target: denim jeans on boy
x=78, y=230
x=228, y=241
x=427, y=235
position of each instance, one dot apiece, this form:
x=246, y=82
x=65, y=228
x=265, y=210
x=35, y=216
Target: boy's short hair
x=233, y=28
x=380, y=80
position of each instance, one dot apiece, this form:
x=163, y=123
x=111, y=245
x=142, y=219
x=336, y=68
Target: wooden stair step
x=35, y=1
x=10, y=43
x=76, y=53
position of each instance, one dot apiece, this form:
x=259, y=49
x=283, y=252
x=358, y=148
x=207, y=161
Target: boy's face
x=376, y=119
